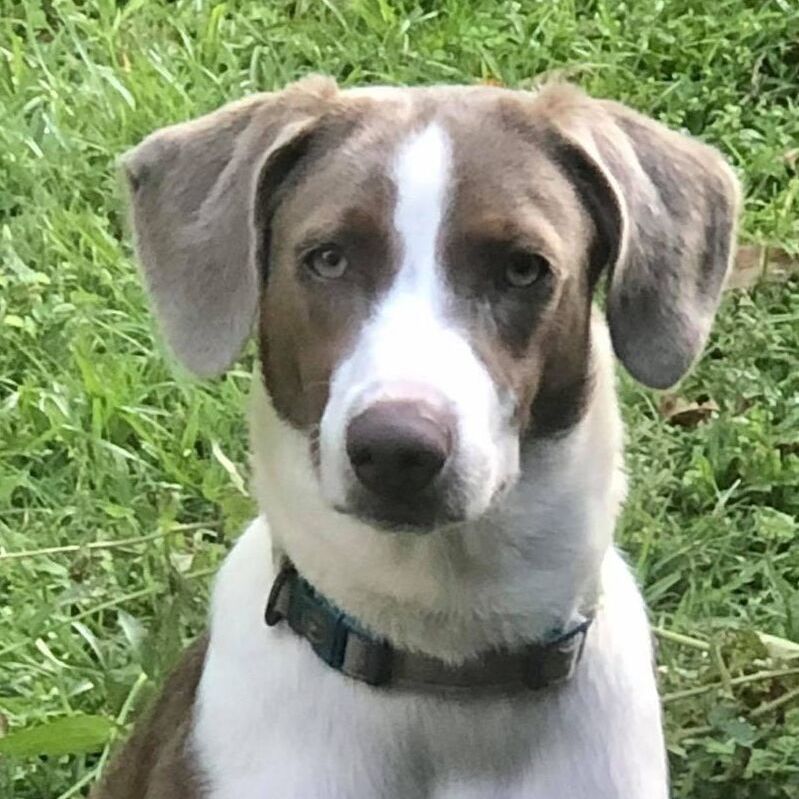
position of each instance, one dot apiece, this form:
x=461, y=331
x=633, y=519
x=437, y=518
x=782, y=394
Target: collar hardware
x=333, y=636
x=339, y=641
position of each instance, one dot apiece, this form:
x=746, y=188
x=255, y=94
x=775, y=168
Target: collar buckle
x=278, y=603
x=555, y=662
x=367, y=659
x=333, y=636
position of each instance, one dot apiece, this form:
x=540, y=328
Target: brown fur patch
x=534, y=340
x=306, y=323
x=156, y=762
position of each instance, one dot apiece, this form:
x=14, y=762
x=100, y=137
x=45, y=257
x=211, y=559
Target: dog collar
x=345, y=646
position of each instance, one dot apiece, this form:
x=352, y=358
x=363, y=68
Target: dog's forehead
x=497, y=165
x=483, y=125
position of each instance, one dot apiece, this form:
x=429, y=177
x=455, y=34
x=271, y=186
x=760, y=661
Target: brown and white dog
x=436, y=439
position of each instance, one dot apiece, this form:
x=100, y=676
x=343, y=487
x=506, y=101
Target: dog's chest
x=305, y=731
x=273, y=720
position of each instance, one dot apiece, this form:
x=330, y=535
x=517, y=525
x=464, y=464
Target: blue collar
x=346, y=646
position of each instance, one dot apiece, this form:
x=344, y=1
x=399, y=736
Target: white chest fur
x=274, y=721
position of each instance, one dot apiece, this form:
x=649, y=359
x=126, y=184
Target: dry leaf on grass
x=756, y=262
x=681, y=412
x=779, y=648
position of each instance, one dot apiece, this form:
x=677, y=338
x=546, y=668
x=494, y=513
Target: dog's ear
x=192, y=189
x=667, y=207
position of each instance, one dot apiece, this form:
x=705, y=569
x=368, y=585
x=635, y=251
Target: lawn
x=123, y=484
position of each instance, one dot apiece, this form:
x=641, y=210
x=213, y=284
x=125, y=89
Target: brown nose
x=397, y=448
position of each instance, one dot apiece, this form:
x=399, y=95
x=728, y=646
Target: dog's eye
x=327, y=262
x=524, y=269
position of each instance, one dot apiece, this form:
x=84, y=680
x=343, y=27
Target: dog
x=430, y=604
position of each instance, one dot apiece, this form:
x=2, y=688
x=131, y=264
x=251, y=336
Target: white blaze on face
x=410, y=350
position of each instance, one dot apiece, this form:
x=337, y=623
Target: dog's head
x=419, y=265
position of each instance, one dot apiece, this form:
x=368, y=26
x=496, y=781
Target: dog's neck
x=524, y=570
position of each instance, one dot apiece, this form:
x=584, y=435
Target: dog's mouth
x=417, y=516
x=443, y=508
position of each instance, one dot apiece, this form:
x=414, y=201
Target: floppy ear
x=668, y=206
x=192, y=188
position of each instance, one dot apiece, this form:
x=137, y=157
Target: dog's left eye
x=524, y=269
x=327, y=262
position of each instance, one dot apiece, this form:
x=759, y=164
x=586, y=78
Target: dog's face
x=423, y=303
x=421, y=264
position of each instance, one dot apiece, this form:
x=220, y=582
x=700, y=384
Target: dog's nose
x=398, y=447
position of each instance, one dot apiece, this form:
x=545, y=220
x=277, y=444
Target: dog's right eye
x=524, y=269
x=326, y=262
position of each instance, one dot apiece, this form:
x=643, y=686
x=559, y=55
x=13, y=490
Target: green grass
x=99, y=441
